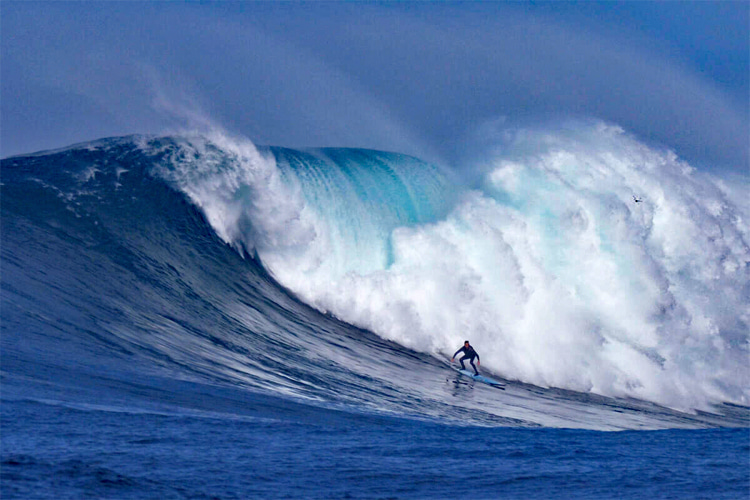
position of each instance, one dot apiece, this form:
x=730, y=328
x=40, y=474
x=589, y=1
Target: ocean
x=194, y=316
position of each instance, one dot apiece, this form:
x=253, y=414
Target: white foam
x=241, y=192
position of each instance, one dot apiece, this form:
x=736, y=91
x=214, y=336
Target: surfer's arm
x=456, y=354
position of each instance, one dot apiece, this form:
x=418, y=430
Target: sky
x=417, y=78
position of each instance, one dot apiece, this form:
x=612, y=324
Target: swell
x=113, y=264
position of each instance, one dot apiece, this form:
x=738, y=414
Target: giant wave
x=547, y=263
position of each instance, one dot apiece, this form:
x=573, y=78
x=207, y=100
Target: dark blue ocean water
x=53, y=451
x=143, y=357
x=190, y=440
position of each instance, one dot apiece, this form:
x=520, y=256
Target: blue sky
x=416, y=78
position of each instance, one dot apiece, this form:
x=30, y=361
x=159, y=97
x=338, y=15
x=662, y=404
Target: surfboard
x=480, y=378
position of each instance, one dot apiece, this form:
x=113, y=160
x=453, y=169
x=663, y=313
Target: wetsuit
x=470, y=354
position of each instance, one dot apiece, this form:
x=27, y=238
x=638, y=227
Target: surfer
x=470, y=354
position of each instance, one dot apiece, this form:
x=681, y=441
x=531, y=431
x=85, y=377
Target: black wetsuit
x=470, y=354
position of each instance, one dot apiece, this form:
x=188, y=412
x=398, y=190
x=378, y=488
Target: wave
x=584, y=259
x=170, y=249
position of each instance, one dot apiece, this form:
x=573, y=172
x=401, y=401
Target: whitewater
x=196, y=316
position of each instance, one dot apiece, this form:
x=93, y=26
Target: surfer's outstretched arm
x=456, y=353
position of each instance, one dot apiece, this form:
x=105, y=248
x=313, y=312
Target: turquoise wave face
x=364, y=195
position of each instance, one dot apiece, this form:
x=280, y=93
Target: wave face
x=548, y=265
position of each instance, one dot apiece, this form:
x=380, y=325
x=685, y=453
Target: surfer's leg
x=462, y=362
x=476, y=372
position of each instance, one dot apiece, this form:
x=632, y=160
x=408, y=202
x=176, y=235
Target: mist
x=434, y=81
